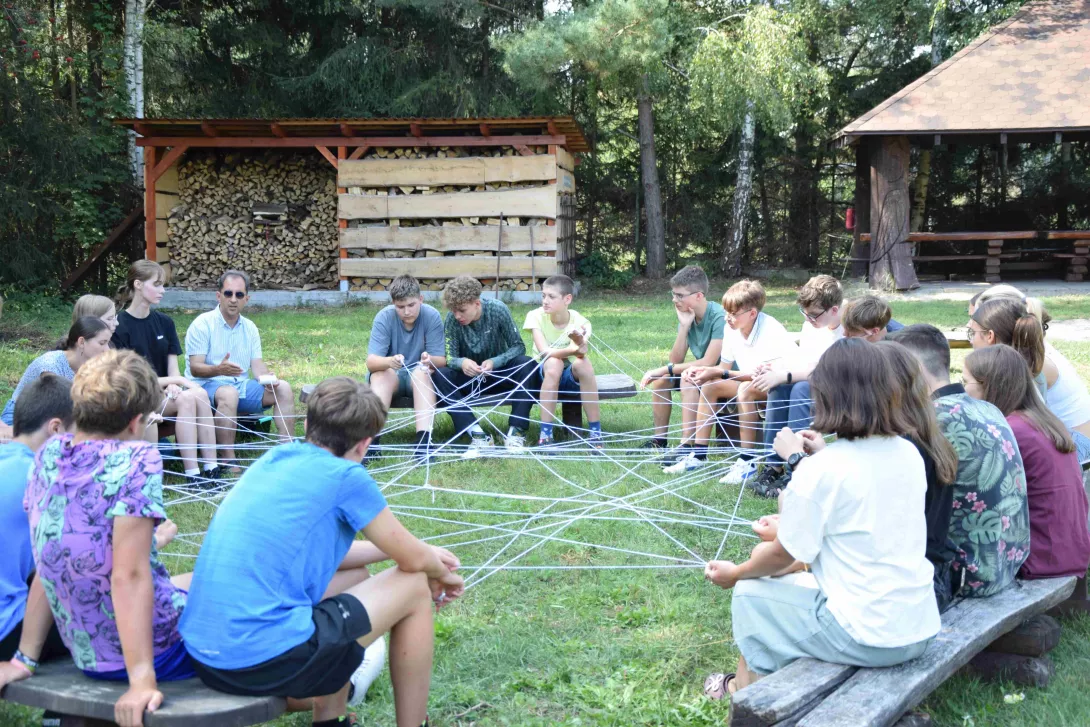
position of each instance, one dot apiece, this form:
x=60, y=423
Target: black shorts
x=53, y=648
x=319, y=666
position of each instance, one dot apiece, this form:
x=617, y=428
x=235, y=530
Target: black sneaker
x=654, y=444
x=770, y=482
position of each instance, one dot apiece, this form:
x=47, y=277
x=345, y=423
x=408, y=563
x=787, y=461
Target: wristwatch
x=793, y=460
x=789, y=377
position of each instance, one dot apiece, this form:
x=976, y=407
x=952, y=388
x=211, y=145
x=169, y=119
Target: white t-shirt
x=814, y=341
x=1068, y=398
x=855, y=512
x=767, y=341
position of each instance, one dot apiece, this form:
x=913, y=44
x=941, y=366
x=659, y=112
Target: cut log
x=530, y=201
x=447, y=267
x=1025, y=671
x=431, y=172
x=1036, y=637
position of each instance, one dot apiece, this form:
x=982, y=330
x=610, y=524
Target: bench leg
x=914, y=719
x=1025, y=671
x=1036, y=637
x=571, y=413
x=1078, y=603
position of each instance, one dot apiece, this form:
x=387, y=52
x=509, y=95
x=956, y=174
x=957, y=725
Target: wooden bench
x=82, y=702
x=811, y=693
x=610, y=386
x=1070, y=248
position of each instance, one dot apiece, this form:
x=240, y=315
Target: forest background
x=711, y=121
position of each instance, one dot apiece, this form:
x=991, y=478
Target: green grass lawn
x=576, y=647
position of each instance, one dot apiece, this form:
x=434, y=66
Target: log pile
x=212, y=228
x=435, y=284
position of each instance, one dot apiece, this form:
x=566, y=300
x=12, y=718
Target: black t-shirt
x=154, y=338
x=938, y=509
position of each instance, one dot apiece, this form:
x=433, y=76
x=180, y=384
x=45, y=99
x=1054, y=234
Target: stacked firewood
x=213, y=226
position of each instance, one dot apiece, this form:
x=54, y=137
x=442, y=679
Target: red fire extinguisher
x=849, y=219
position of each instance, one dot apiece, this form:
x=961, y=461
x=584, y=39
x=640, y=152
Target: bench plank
x=63, y=688
x=788, y=693
x=878, y=697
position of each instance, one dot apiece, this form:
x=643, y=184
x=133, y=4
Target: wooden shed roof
x=1027, y=75
x=273, y=129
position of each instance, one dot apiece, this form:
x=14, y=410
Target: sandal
x=717, y=686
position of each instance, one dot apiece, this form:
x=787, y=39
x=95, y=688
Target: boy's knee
x=227, y=396
x=748, y=393
x=553, y=367
x=663, y=383
x=283, y=390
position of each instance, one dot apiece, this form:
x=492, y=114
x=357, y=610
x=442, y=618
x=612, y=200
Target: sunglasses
x=233, y=294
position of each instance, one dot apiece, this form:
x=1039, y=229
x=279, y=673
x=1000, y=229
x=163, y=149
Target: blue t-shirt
x=389, y=337
x=17, y=563
x=270, y=553
x=893, y=326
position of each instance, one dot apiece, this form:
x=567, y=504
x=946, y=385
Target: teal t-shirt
x=270, y=553
x=706, y=330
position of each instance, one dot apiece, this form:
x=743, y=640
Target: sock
x=193, y=472
x=423, y=437
x=332, y=722
x=209, y=466
x=661, y=442
x=701, y=451
x=746, y=455
x=546, y=430
x=595, y=428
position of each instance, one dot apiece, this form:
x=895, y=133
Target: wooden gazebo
x=1025, y=80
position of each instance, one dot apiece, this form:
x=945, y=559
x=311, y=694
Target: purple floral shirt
x=73, y=493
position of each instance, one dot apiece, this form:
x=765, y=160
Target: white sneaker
x=739, y=472
x=374, y=658
x=478, y=445
x=687, y=463
x=514, y=442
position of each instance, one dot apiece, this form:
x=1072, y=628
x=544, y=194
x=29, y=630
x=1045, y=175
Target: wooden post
x=342, y=253
x=891, y=260
x=861, y=250
x=149, y=202
x=992, y=264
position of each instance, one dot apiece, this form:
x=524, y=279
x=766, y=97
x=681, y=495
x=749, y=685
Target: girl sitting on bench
x=855, y=513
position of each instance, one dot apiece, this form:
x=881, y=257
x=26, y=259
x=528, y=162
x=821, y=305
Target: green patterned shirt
x=492, y=336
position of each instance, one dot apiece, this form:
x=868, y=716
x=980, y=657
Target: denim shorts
x=777, y=621
x=250, y=394
x=404, y=388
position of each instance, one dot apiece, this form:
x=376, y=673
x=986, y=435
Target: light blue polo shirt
x=17, y=562
x=210, y=335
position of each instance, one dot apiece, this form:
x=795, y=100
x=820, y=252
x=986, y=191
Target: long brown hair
x=140, y=270
x=1014, y=325
x=851, y=388
x=1006, y=382
x=917, y=408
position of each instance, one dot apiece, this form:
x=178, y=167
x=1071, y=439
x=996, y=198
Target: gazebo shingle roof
x=1028, y=74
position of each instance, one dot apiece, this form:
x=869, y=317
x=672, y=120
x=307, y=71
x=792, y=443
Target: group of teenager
x=930, y=490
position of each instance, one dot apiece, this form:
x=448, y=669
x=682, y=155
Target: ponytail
x=1015, y=326
x=85, y=328
x=140, y=270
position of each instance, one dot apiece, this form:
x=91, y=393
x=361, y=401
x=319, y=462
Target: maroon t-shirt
x=1059, y=540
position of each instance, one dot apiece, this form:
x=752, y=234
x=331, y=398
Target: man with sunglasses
x=223, y=351
x=788, y=388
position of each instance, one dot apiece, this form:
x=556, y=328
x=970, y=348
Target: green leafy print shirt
x=989, y=527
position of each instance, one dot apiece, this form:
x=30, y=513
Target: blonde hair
x=743, y=295
x=823, y=290
x=92, y=305
x=461, y=290
x=110, y=390
x=868, y=311
x=1002, y=291
x=140, y=270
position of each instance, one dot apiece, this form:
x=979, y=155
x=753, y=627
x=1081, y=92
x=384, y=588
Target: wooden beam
x=102, y=248
x=259, y=142
x=551, y=127
x=526, y=202
x=140, y=128
x=168, y=159
x=328, y=155
x=415, y=130
x=447, y=267
x=437, y=238
x=347, y=131
x=149, y=203
x=970, y=236
x=524, y=150
x=208, y=130
x=486, y=131
x=437, y=172
x=278, y=131
x=564, y=159
x=358, y=152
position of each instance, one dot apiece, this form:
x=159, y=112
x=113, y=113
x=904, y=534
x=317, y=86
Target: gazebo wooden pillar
x=890, y=206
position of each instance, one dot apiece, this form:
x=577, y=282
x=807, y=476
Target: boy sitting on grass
x=485, y=357
x=752, y=338
x=407, y=332
x=699, y=330
x=868, y=317
x=44, y=409
x=268, y=617
x=560, y=334
x=788, y=388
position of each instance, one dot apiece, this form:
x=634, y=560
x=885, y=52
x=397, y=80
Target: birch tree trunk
x=731, y=262
x=652, y=192
x=923, y=175
x=133, y=58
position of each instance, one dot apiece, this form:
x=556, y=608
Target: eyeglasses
x=240, y=294
x=681, y=296
x=970, y=333
x=812, y=319
x=738, y=314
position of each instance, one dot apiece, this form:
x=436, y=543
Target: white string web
x=570, y=507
